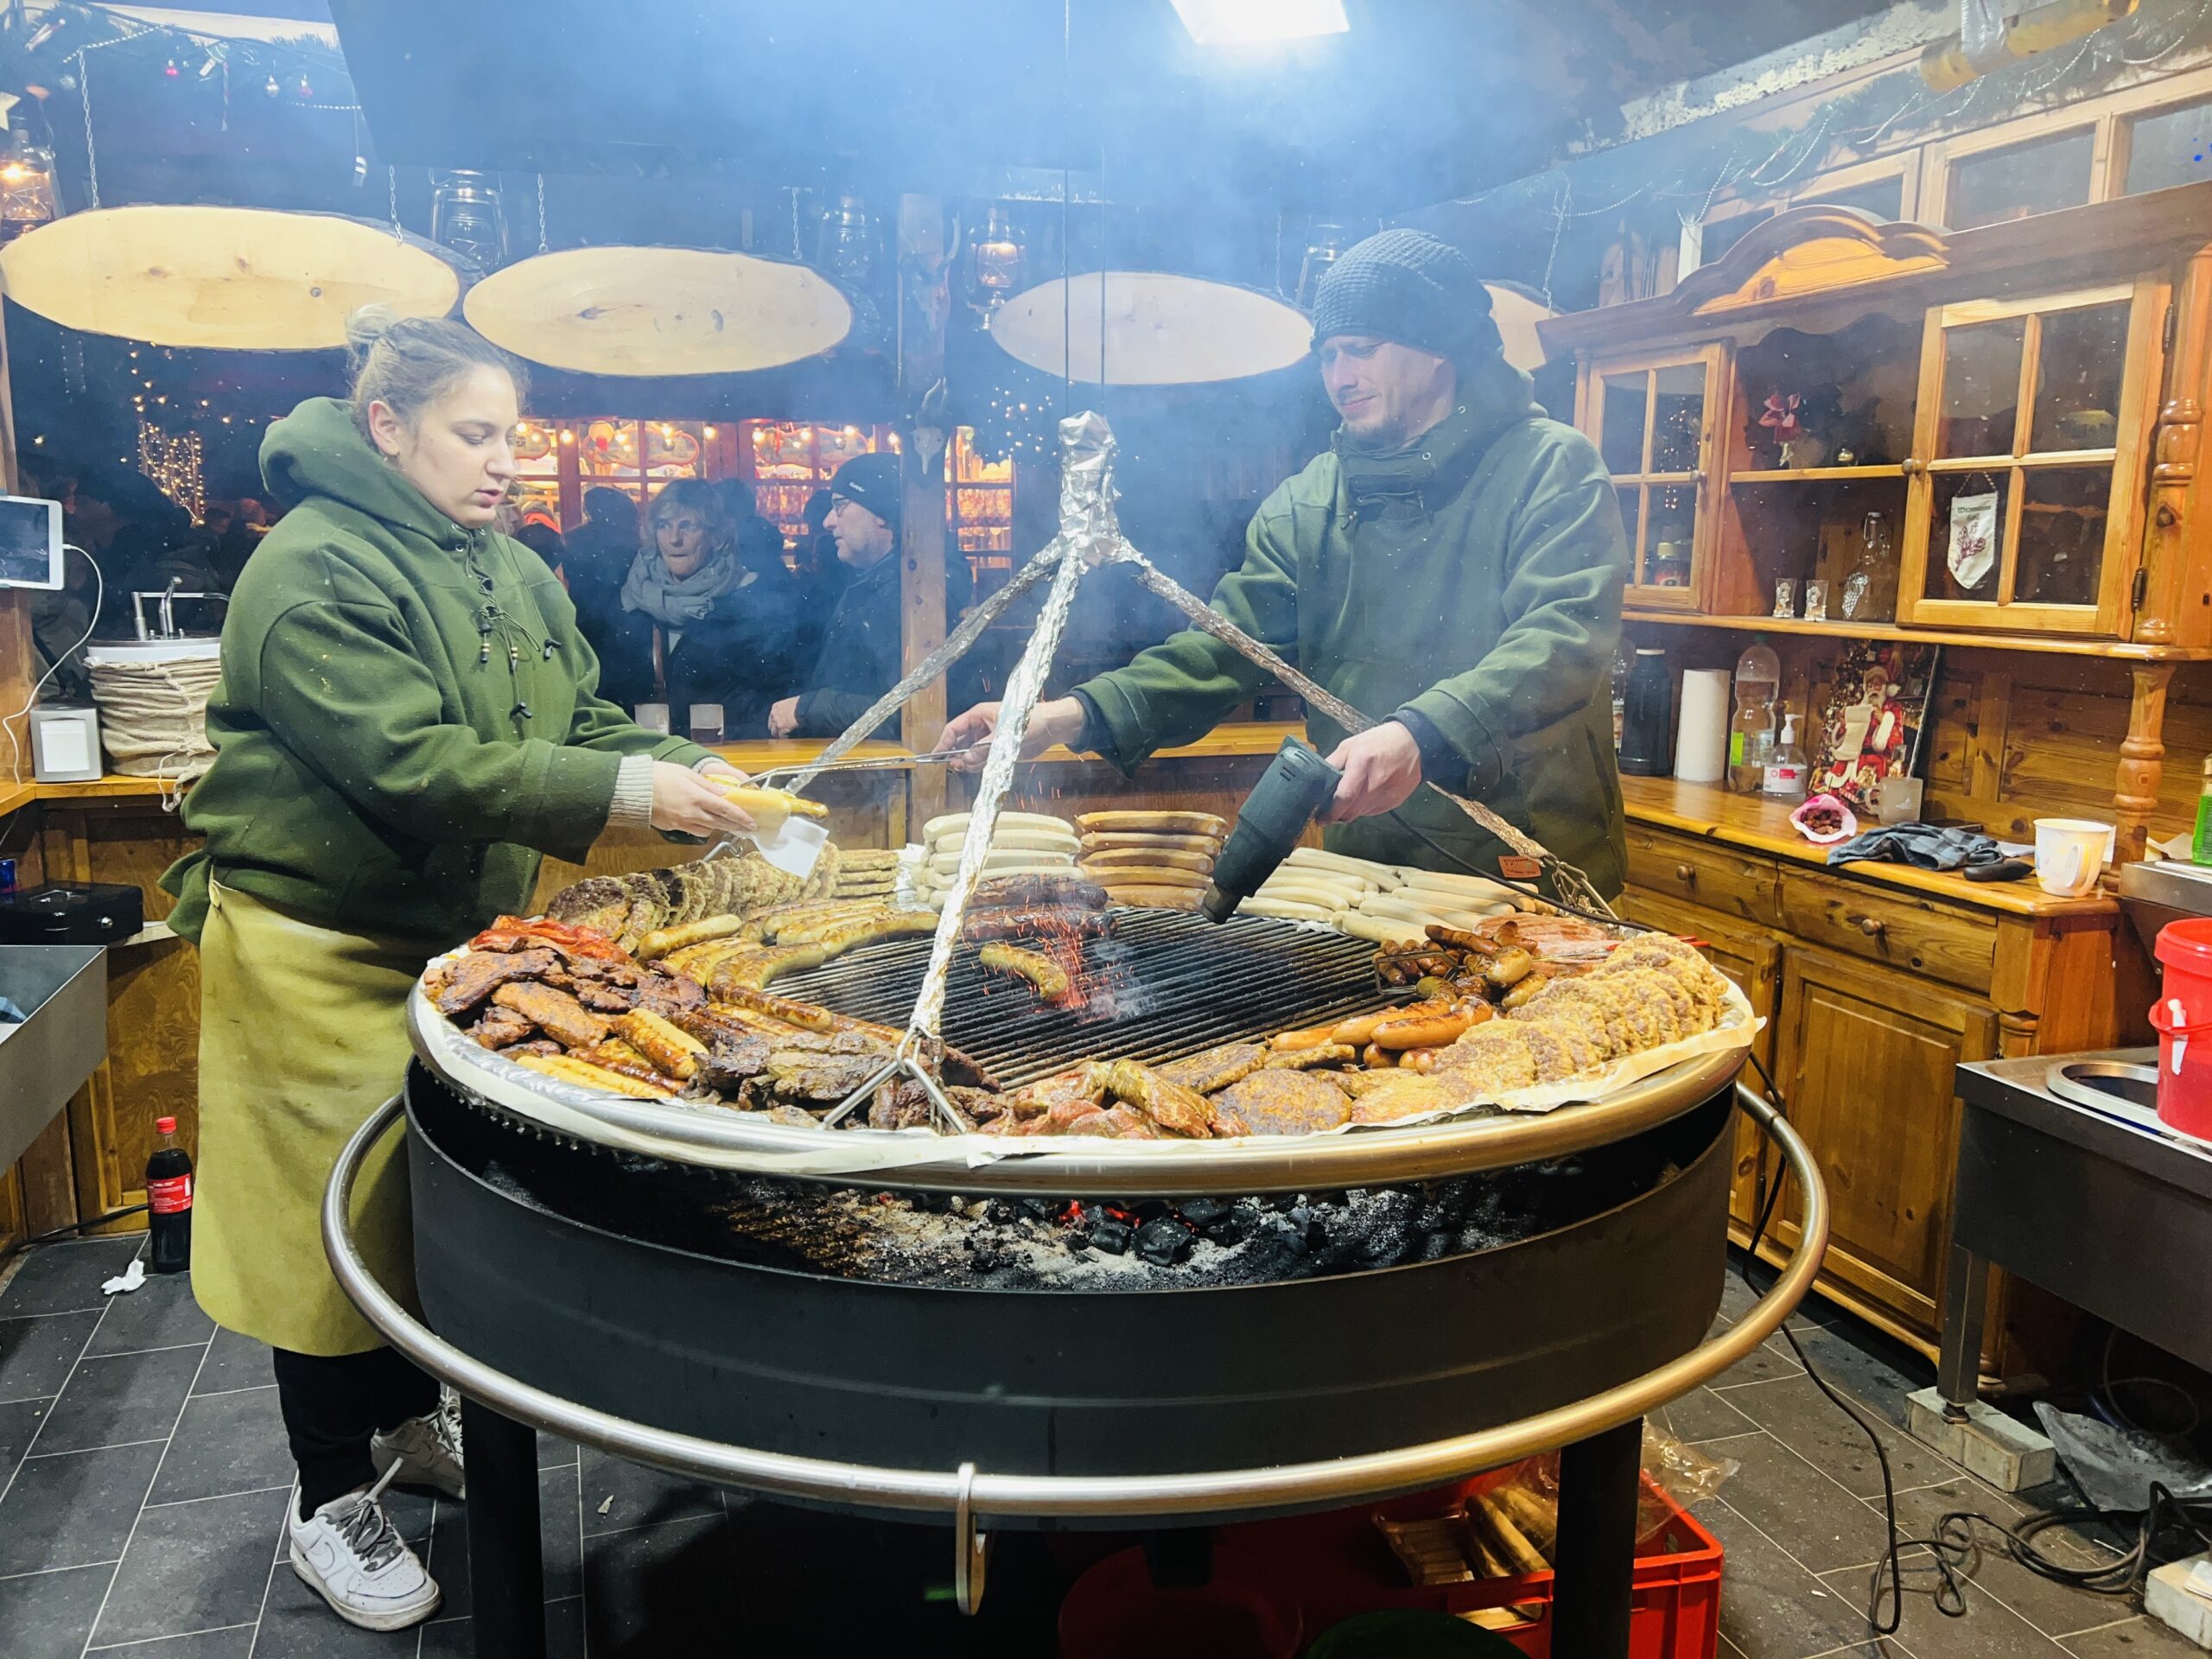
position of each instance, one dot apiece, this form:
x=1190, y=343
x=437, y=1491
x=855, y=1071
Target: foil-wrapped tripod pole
x=1090, y=536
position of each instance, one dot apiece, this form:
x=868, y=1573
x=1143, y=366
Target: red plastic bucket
x=2183, y=1018
x=1115, y=1611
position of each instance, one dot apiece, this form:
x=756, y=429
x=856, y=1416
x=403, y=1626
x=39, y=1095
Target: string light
x=173, y=462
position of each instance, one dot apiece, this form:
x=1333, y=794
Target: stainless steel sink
x=43, y=1061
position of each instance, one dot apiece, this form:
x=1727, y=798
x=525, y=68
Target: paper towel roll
x=1702, y=733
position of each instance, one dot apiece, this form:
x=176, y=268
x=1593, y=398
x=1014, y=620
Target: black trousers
x=334, y=1403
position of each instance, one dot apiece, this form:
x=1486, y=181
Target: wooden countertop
x=1231, y=741
x=1763, y=826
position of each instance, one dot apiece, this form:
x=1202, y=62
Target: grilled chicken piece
x=1278, y=1101
x=473, y=977
x=554, y=1012
x=802, y=1075
x=900, y=1103
x=1116, y=1123
x=1178, y=1110
x=501, y=1028
x=1217, y=1068
x=1086, y=1083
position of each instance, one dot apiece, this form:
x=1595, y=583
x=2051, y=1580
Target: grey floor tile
x=297, y=1623
x=234, y=1362
x=234, y=1643
x=558, y=1545
x=61, y=1278
x=663, y=1589
x=2054, y=1609
x=74, y=1510
x=1770, y=1606
x=1795, y=1412
x=1794, y=1504
x=1736, y=1297
x=192, y=1566
x=1763, y=1363
x=2135, y=1638
x=226, y=1443
x=36, y=1354
x=48, y=1615
x=1701, y=1415
x=1868, y=1366
x=120, y=1399
x=160, y=1313
x=455, y=1638
x=19, y=1421
x=554, y=1452
x=619, y=1495
x=1988, y=1630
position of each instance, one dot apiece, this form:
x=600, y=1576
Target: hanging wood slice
x=1516, y=311
x=658, y=311
x=1160, y=329
x=237, y=278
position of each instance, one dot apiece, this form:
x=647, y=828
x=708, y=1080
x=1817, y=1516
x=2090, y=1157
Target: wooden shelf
x=1817, y=474
x=2053, y=644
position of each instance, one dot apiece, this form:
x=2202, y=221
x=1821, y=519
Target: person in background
x=600, y=553
x=711, y=630
x=407, y=719
x=862, y=652
x=544, y=540
x=759, y=544
x=235, y=540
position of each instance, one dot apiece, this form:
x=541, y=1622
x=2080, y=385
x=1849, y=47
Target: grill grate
x=1168, y=984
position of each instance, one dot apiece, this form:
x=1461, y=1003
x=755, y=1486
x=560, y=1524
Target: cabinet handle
x=1914, y=467
x=1873, y=926
x=1684, y=873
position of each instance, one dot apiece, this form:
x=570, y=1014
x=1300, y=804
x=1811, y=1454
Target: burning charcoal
x=1111, y=1236
x=1151, y=1210
x=1164, y=1240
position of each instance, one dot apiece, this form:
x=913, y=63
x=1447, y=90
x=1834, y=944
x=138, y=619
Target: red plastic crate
x=1335, y=1566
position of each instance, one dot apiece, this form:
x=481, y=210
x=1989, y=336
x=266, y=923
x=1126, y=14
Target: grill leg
x=1598, y=1480
x=505, y=1570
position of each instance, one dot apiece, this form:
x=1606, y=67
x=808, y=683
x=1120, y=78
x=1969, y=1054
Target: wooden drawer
x=1919, y=936
x=1691, y=872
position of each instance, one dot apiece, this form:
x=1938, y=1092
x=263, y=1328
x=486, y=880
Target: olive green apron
x=303, y=1036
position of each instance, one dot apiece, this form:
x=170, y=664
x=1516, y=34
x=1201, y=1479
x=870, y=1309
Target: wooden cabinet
x=1865, y=1057
x=1652, y=419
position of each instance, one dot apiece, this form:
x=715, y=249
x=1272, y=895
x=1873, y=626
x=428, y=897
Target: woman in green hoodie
x=408, y=718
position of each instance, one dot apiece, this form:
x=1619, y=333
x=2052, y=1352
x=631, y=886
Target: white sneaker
x=351, y=1555
x=425, y=1451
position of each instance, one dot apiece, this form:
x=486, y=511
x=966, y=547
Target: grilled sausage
x=1069, y=891
x=1048, y=976
x=669, y=1049
x=626, y=1060
x=1431, y=1030
x=755, y=970
x=1036, y=924
x=1361, y=1027
x=569, y=1069
x=1311, y=1037
x=660, y=942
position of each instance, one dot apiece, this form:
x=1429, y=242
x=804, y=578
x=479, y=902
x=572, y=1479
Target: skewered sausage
x=1048, y=976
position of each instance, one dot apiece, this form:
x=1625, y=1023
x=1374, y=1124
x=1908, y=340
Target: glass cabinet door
x=2027, y=467
x=1652, y=421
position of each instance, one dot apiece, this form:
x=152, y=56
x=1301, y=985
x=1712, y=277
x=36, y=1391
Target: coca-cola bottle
x=169, y=1202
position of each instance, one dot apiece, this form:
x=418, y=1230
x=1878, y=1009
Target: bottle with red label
x=169, y=1202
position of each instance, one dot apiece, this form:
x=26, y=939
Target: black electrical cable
x=22, y=1244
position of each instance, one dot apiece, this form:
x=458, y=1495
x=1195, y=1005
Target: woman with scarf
x=713, y=628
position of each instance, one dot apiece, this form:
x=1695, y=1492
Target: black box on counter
x=91, y=912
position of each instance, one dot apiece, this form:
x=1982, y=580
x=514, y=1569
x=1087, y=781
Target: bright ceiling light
x=1233, y=22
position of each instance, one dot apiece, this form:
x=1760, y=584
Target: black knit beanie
x=873, y=481
x=1406, y=286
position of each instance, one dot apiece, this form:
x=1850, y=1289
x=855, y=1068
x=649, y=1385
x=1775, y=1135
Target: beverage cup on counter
x=706, y=723
x=1898, y=800
x=2070, y=853
x=653, y=716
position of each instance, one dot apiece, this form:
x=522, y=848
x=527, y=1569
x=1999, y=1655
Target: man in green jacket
x=1452, y=566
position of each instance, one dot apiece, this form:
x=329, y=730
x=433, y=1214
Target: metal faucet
x=168, y=598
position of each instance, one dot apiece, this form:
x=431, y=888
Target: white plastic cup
x=2071, y=855
x=1896, y=800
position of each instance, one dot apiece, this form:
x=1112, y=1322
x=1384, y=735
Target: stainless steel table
x=2067, y=1178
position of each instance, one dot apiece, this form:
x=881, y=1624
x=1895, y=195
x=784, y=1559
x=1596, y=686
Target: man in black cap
x=1452, y=566
x=862, y=651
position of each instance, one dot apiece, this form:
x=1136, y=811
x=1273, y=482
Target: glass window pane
x=1621, y=422
x=2062, y=516
x=1668, y=535
x=1878, y=199
x=1632, y=510
x=673, y=448
x=1981, y=388
x=1966, y=536
x=2008, y=184
x=2170, y=147
x=1716, y=236
x=1855, y=392
x=2078, y=379
x=1677, y=418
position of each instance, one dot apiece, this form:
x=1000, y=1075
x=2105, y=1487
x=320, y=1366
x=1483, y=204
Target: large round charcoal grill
x=630, y=1303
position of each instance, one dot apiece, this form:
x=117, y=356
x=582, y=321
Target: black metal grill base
x=1025, y=1382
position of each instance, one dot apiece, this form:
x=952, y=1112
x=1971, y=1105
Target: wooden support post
x=2165, y=616
x=18, y=659
x=2142, y=760
x=925, y=301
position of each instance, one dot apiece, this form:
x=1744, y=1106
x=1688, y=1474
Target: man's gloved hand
x=1382, y=767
